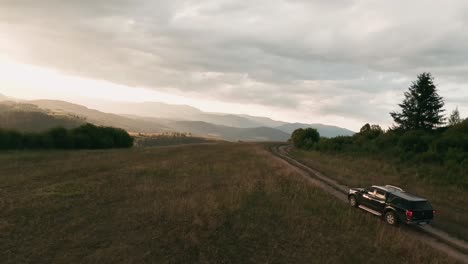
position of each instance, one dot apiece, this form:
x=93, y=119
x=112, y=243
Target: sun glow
x=32, y=82
x=27, y=81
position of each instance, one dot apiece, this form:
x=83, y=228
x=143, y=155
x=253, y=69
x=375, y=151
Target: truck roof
x=409, y=197
x=389, y=188
x=400, y=193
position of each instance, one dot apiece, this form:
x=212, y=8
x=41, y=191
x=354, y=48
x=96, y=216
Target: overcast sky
x=342, y=62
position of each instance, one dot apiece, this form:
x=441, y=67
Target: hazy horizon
x=108, y=106
x=342, y=63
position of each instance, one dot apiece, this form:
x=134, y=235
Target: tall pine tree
x=422, y=106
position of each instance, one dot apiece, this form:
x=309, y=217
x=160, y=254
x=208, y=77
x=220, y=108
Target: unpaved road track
x=439, y=240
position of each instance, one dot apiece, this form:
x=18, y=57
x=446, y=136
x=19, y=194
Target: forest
x=87, y=136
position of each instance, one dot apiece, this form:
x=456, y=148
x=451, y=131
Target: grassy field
x=450, y=201
x=167, y=139
x=222, y=203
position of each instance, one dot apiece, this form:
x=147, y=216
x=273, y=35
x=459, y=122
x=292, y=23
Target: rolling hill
x=188, y=113
x=101, y=118
x=230, y=133
x=30, y=118
x=324, y=130
x=264, y=121
x=147, y=109
x=174, y=112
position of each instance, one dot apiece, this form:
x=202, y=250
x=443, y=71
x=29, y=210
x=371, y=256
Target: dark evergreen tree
x=422, y=106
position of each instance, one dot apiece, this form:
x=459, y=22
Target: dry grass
x=450, y=201
x=225, y=203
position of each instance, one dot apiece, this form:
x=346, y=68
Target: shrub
x=414, y=141
x=305, y=138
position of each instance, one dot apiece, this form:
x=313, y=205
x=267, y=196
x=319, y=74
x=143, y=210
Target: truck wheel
x=391, y=218
x=353, y=201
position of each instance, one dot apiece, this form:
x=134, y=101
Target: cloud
x=341, y=57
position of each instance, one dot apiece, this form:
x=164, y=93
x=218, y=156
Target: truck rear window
x=423, y=205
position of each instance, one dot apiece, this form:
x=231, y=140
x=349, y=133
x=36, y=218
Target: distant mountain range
x=231, y=133
x=264, y=121
x=324, y=130
x=188, y=113
x=175, y=112
x=153, y=117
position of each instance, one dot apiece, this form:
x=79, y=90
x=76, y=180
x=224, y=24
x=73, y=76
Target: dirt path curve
x=435, y=238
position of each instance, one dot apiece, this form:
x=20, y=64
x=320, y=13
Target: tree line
x=420, y=136
x=87, y=136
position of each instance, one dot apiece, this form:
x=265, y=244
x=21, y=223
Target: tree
x=370, y=131
x=454, y=118
x=297, y=136
x=61, y=138
x=87, y=136
x=305, y=138
x=422, y=106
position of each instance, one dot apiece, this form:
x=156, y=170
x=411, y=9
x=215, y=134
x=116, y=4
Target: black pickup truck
x=393, y=204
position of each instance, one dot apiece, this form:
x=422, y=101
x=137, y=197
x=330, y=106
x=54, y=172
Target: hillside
x=264, y=121
x=30, y=118
x=227, y=120
x=222, y=203
x=230, y=133
x=101, y=118
x=147, y=109
x=174, y=112
x=324, y=130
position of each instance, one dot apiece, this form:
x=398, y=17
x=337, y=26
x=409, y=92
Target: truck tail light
x=409, y=214
x=434, y=212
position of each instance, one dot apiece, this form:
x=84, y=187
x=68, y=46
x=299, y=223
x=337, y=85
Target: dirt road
x=435, y=238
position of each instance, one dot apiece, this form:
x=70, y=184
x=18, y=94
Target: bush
x=341, y=143
x=305, y=138
x=414, y=141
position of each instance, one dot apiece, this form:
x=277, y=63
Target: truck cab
x=393, y=204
